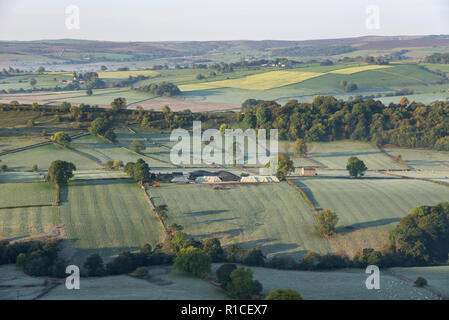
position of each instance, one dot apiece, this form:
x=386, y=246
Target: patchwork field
x=263, y=81
x=181, y=104
x=274, y=217
x=107, y=217
x=334, y=155
x=368, y=208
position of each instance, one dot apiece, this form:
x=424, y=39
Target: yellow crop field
x=126, y=74
x=358, y=69
x=261, y=81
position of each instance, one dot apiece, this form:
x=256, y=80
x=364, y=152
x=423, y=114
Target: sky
x=201, y=20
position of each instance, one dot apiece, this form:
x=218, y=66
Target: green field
x=416, y=159
x=107, y=217
x=335, y=154
x=22, y=223
x=437, y=277
x=20, y=194
x=347, y=284
x=16, y=285
x=43, y=157
x=273, y=216
x=368, y=208
x=19, y=177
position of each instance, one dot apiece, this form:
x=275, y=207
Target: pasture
x=274, y=217
x=369, y=208
x=107, y=217
x=357, y=69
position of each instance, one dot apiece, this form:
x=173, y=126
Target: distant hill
x=71, y=51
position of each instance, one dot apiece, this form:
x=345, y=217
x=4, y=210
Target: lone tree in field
x=285, y=166
x=60, y=172
x=299, y=148
x=137, y=146
x=33, y=82
x=61, y=138
x=356, y=167
x=326, y=223
x=193, y=261
x=118, y=104
x=284, y=294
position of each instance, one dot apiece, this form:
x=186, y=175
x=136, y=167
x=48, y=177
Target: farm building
x=208, y=179
x=180, y=179
x=256, y=179
x=223, y=175
x=168, y=177
x=308, y=171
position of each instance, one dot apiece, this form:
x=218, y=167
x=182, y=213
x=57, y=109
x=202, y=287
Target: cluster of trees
x=36, y=258
x=329, y=119
x=348, y=86
x=311, y=51
x=91, y=79
x=126, y=261
x=139, y=171
x=61, y=138
x=380, y=60
x=102, y=127
x=166, y=89
x=440, y=58
x=238, y=282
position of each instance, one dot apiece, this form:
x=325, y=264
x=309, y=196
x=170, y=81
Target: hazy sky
x=163, y=20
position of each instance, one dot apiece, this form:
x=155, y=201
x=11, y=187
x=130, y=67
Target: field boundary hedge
x=413, y=178
x=153, y=207
x=382, y=151
x=304, y=194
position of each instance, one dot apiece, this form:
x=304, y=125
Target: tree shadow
x=368, y=224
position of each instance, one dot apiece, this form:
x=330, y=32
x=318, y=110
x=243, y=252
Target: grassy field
x=15, y=285
x=437, y=277
x=22, y=223
x=335, y=154
x=417, y=159
x=348, y=284
x=43, y=157
x=163, y=284
x=98, y=174
x=107, y=217
x=368, y=208
x=19, y=177
x=20, y=194
x=274, y=216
